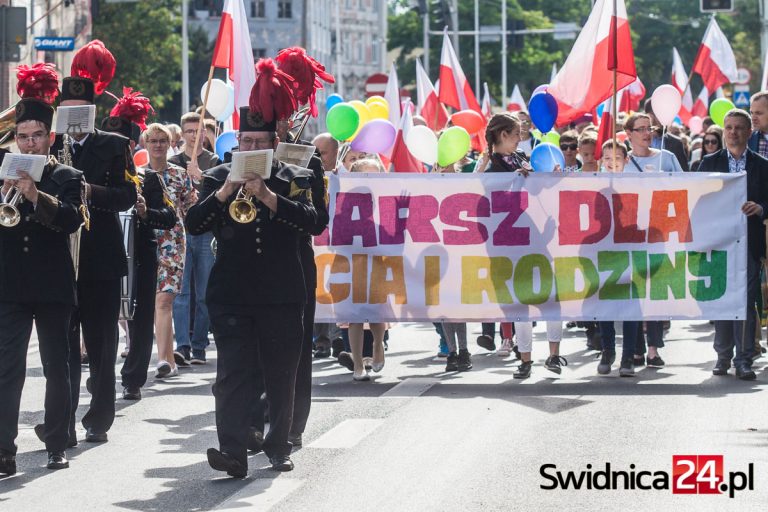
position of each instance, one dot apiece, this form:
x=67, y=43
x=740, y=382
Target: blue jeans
x=631, y=331
x=197, y=270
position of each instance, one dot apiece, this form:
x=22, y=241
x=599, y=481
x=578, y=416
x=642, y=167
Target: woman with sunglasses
x=712, y=142
x=569, y=145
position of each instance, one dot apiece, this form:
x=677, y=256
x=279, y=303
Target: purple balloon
x=375, y=136
x=541, y=88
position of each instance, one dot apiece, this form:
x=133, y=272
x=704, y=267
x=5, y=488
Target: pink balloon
x=376, y=136
x=666, y=102
x=695, y=123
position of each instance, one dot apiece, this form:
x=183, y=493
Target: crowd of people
x=235, y=258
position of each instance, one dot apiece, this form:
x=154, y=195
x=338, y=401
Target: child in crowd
x=569, y=145
x=587, y=146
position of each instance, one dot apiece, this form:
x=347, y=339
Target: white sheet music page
x=75, y=119
x=246, y=165
x=14, y=163
x=294, y=154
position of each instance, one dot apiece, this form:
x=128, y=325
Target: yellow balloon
x=375, y=99
x=378, y=110
x=363, y=112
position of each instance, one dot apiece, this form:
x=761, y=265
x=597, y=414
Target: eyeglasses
x=248, y=141
x=34, y=139
x=710, y=142
x=158, y=142
x=525, y=123
x=571, y=147
x=644, y=129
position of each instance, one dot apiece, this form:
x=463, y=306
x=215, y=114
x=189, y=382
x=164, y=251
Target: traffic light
x=515, y=41
x=442, y=14
x=716, y=5
x=420, y=6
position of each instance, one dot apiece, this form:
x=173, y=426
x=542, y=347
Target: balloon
x=333, y=99
x=666, y=102
x=218, y=97
x=342, y=121
x=378, y=110
x=545, y=156
x=541, y=88
x=543, y=111
x=600, y=109
x=695, y=123
x=377, y=99
x=470, y=120
x=230, y=108
x=422, y=143
x=225, y=142
x=718, y=109
x=362, y=112
x=621, y=136
x=141, y=158
x=552, y=137
x=452, y=146
x=377, y=136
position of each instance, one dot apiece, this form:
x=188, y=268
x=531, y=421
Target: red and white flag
x=455, y=90
x=392, y=95
x=233, y=52
x=719, y=93
x=631, y=96
x=715, y=61
x=605, y=130
x=680, y=81
x=586, y=78
x=486, y=104
x=701, y=107
x=516, y=101
x=428, y=106
x=402, y=160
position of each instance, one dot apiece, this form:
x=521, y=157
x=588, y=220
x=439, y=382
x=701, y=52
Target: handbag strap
x=632, y=159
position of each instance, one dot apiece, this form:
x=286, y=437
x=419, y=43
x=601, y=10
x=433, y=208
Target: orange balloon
x=470, y=120
x=141, y=158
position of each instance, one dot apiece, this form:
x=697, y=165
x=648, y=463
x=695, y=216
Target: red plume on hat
x=272, y=94
x=133, y=107
x=307, y=72
x=94, y=61
x=40, y=81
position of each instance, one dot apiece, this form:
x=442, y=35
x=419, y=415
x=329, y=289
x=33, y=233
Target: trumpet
x=242, y=209
x=9, y=213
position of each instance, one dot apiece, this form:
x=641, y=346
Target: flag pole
x=202, y=116
x=615, y=64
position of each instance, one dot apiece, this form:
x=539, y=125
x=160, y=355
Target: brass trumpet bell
x=9, y=213
x=242, y=209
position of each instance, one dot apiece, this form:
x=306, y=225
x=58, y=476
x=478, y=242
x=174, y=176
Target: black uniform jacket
x=319, y=190
x=257, y=263
x=160, y=213
x=35, y=262
x=757, y=191
x=106, y=163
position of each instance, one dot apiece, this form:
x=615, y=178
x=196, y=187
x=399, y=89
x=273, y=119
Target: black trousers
x=303, y=397
x=52, y=323
x=97, y=312
x=248, y=340
x=142, y=328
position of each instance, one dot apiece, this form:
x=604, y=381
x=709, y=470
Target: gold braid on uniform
x=299, y=192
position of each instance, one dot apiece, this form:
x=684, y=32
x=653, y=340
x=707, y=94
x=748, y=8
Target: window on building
x=285, y=9
x=259, y=53
x=213, y=7
x=257, y=9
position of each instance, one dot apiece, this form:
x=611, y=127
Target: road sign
x=376, y=85
x=715, y=6
x=741, y=95
x=744, y=76
x=55, y=44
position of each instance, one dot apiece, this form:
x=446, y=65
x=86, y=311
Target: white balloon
x=422, y=143
x=230, y=108
x=695, y=123
x=666, y=103
x=217, y=97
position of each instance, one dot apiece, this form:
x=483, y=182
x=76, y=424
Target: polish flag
x=715, y=61
x=486, y=103
x=631, y=96
x=429, y=107
x=233, y=52
x=392, y=95
x=516, y=101
x=701, y=107
x=402, y=160
x=719, y=93
x=586, y=78
x=454, y=88
x=605, y=130
x=680, y=81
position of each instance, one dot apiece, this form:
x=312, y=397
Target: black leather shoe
x=221, y=461
x=57, y=460
x=345, y=360
x=721, y=367
x=281, y=463
x=7, y=463
x=40, y=432
x=94, y=436
x=72, y=441
x=337, y=347
x=744, y=372
x=295, y=440
x=486, y=342
x=322, y=352
x=255, y=440
x=131, y=393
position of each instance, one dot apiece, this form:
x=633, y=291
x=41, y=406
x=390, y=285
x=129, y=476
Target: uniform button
x=26, y=239
x=26, y=249
x=27, y=218
x=258, y=230
x=258, y=219
x=258, y=240
x=258, y=251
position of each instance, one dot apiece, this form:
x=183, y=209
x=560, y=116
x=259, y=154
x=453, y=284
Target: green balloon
x=718, y=109
x=342, y=121
x=552, y=137
x=452, y=146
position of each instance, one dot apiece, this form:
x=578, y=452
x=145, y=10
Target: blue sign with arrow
x=55, y=44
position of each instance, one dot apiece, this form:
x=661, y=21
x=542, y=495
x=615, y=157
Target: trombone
x=9, y=213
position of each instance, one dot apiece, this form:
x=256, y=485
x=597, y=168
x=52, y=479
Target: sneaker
x=523, y=371
x=174, y=372
x=516, y=351
x=555, y=363
x=627, y=369
x=198, y=357
x=639, y=360
x=607, y=358
x=505, y=349
x=163, y=370
x=181, y=356
x=465, y=362
x=655, y=362
x=486, y=342
x=443, y=351
x=452, y=363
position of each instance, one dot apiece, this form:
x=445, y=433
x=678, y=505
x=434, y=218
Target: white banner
x=497, y=246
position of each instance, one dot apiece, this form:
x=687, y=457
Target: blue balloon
x=546, y=156
x=332, y=100
x=600, y=110
x=543, y=111
x=225, y=142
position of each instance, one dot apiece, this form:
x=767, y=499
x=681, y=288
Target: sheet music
x=248, y=164
x=75, y=119
x=295, y=154
x=13, y=163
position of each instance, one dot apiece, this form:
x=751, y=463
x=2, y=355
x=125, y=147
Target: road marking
x=346, y=434
x=415, y=386
x=262, y=494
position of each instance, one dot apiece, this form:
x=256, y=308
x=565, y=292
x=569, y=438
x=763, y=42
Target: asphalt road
x=419, y=439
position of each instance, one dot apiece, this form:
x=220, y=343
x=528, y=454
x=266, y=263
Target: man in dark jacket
x=758, y=109
x=736, y=157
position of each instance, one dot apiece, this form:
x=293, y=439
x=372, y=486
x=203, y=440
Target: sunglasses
x=572, y=147
x=710, y=142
